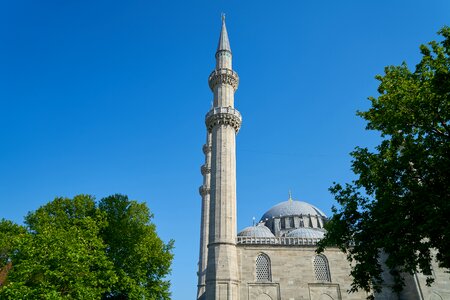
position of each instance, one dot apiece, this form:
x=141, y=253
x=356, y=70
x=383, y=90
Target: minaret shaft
x=223, y=185
x=223, y=58
x=224, y=96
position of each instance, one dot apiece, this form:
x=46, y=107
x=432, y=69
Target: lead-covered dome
x=304, y=232
x=292, y=208
x=256, y=231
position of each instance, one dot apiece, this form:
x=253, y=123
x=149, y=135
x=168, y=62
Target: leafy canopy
x=399, y=203
x=141, y=259
x=68, y=249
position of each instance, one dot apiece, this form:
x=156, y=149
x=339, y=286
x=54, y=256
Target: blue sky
x=104, y=97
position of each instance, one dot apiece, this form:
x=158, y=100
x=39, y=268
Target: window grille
x=263, y=272
x=321, y=268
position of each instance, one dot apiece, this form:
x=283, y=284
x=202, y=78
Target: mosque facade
x=274, y=259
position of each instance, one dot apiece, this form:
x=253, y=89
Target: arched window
x=263, y=272
x=321, y=268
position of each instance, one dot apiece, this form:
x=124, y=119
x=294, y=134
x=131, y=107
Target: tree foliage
x=66, y=251
x=400, y=201
x=9, y=235
x=141, y=260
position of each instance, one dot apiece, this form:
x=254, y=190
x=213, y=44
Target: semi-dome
x=256, y=231
x=292, y=208
x=303, y=232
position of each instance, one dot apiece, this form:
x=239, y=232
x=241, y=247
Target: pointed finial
x=224, y=43
x=253, y=221
x=290, y=195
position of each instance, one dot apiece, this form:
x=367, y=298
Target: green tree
x=10, y=234
x=141, y=259
x=64, y=252
x=62, y=256
x=400, y=201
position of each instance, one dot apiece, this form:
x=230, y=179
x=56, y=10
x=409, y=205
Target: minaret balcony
x=205, y=170
x=204, y=190
x=206, y=148
x=227, y=116
x=223, y=76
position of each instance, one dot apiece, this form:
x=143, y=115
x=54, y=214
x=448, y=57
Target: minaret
x=223, y=122
x=204, y=190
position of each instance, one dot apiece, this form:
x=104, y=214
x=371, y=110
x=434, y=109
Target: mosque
x=275, y=259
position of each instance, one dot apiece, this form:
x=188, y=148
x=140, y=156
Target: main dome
x=292, y=208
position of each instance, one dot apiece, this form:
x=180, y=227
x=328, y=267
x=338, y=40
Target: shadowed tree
x=399, y=202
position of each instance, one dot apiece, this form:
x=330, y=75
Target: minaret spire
x=223, y=53
x=224, y=42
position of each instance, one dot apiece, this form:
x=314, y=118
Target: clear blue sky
x=104, y=97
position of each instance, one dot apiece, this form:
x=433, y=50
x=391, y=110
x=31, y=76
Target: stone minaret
x=204, y=190
x=223, y=122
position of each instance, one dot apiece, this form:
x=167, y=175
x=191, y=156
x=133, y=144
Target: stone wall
x=293, y=274
x=293, y=277
x=440, y=289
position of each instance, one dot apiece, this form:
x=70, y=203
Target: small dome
x=256, y=231
x=292, y=208
x=306, y=233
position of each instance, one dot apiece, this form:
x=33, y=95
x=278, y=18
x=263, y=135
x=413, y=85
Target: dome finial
x=223, y=17
x=290, y=195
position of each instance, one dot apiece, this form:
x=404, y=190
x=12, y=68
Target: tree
x=141, y=259
x=9, y=234
x=63, y=253
x=400, y=201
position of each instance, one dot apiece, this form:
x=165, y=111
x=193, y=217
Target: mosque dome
x=304, y=232
x=256, y=231
x=292, y=208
